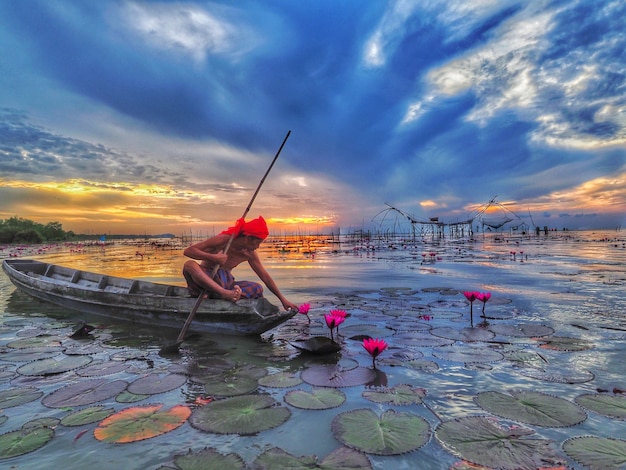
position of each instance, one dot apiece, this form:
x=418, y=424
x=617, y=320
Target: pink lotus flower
x=333, y=321
x=304, y=310
x=483, y=297
x=374, y=346
x=471, y=296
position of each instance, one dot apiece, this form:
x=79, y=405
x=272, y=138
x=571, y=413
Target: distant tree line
x=18, y=230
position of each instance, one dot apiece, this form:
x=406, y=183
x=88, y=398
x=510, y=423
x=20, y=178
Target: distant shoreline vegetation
x=19, y=230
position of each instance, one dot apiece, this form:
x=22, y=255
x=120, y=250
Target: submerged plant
x=374, y=346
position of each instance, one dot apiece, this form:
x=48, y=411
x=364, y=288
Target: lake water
x=545, y=366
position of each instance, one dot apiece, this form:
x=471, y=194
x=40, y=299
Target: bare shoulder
x=215, y=242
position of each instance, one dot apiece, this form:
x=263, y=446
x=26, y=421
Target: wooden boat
x=140, y=301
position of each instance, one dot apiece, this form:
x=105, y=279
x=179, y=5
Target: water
x=571, y=282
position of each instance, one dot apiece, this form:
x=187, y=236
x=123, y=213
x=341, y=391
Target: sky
x=150, y=117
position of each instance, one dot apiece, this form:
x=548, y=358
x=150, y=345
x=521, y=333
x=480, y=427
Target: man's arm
x=209, y=249
x=259, y=269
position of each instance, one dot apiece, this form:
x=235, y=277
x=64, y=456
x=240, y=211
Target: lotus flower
x=333, y=321
x=339, y=313
x=304, y=310
x=471, y=296
x=483, y=297
x=374, y=346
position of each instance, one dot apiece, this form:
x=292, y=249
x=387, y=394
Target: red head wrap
x=254, y=228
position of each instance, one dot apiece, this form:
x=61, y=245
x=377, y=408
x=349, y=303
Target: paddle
x=171, y=348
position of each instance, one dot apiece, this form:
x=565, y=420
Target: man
x=248, y=236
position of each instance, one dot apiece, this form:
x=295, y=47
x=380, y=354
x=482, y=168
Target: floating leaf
x=84, y=393
x=399, y=395
x=564, y=343
x=392, y=433
x=341, y=458
x=25, y=440
x=482, y=441
x=316, y=399
x=102, y=368
x=564, y=375
x=154, y=383
x=464, y=353
x=332, y=375
x=422, y=365
x=127, y=397
x=18, y=396
x=87, y=416
x=140, y=423
x=40, y=341
x=281, y=380
x=521, y=330
x=317, y=345
x=29, y=354
x=232, y=386
x=597, y=452
x=530, y=407
x=209, y=458
x=52, y=366
x=613, y=406
x=521, y=358
x=244, y=415
x=365, y=330
x=464, y=334
x=421, y=339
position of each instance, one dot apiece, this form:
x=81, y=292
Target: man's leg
x=201, y=279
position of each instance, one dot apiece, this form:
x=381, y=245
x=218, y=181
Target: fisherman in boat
x=248, y=236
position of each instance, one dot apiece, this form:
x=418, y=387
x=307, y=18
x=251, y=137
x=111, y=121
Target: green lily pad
x=41, y=341
x=464, y=334
x=3, y=419
x=232, y=386
x=18, y=396
x=565, y=343
x=25, y=440
x=243, y=415
x=102, y=368
x=422, y=365
x=87, y=416
x=597, y=452
x=613, y=406
x=392, y=433
x=30, y=354
x=421, y=339
x=140, y=423
x=530, y=407
x=562, y=374
x=316, y=399
x=127, y=397
x=365, y=330
x=521, y=330
x=209, y=458
x=463, y=353
x=317, y=345
x=522, y=358
x=53, y=366
x=341, y=458
x=399, y=395
x=84, y=393
x=482, y=441
x=155, y=383
x=281, y=380
x=332, y=375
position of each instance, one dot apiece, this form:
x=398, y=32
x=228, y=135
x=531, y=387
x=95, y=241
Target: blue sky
x=153, y=117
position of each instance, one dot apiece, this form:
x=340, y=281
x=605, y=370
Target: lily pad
x=53, y=366
x=316, y=399
x=155, y=383
x=232, y=386
x=209, y=458
x=317, y=345
x=521, y=330
x=84, y=393
x=41, y=341
x=392, y=433
x=613, y=406
x=564, y=343
x=343, y=458
x=564, y=375
x=467, y=354
x=140, y=423
x=281, y=380
x=597, y=452
x=464, y=334
x=102, y=368
x=18, y=396
x=332, y=375
x=25, y=440
x=482, y=441
x=127, y=397
x=530, y=407
x=29, y=354
x=399, y=395
x=365, y=330
x=421, y=339
x=87, y=416
x=243, y=415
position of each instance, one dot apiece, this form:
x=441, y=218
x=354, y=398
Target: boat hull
x=140, y=301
